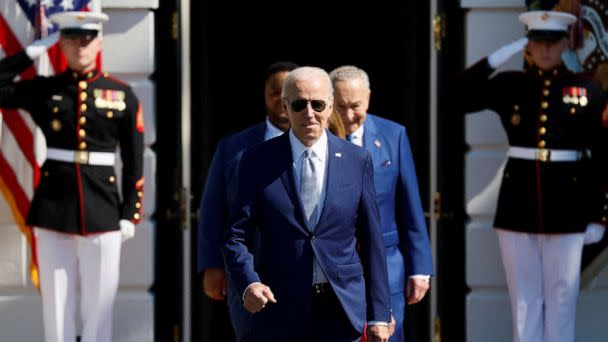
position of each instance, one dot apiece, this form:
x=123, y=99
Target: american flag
x=22, y=147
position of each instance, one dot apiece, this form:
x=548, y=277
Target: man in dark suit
x=401, y=216
x=220, y=189
x=320, y=272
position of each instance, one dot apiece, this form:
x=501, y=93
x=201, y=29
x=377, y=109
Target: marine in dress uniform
x=551, y=192
x=76, y=210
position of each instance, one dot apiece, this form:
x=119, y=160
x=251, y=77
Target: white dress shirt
x=271, y=131
x=356, y=137
x=319, y=158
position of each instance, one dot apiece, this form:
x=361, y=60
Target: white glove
x=500, y=56
x=594, y=233
x=38, y=47
x=127, y=229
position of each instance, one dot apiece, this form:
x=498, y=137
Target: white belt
x=81, y=157
x=544, y=154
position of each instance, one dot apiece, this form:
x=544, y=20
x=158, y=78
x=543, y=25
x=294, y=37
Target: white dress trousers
x=65, y=259
x=543, y=274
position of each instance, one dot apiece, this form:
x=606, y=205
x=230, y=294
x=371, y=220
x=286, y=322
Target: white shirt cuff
x=247, y=288
x=370, y=323
x=421, y=276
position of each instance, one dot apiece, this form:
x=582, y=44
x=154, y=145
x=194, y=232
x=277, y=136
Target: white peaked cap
x=547, y=20
x=79, y=20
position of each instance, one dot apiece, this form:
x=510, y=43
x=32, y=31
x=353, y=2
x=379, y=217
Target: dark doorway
x=233, y=43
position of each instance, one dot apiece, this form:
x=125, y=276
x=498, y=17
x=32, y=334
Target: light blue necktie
x=309, y=190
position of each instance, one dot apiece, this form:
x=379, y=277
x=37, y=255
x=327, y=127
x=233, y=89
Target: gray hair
x=306, y=73
x=349, y=72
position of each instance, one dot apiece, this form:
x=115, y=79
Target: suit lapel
x=289, y=182
x=334, y=158
x=259, y=133
x=370, y=133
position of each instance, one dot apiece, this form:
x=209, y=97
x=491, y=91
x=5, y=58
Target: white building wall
x=129, y=55
x=490, y=24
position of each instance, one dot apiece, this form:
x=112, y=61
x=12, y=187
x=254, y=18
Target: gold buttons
x=55, y=109
x=137, y=205
x=603, y=218
x=516, y=107
x=544, y=104
x=112, y=179
x=82, y=85
x=46, y=173
x=554, y=72
x=82, y=133
x=90, y=74
x=110, y=114
x=56, y=125
x=136, y=216
x=542, y=144
x=547, y=83
x=140, y=194
x=572, y=110
x=543, y=118
x=605, y=206
x=83, y=107
x=515, y=119
x=542, y=131
x=82, y=145
x=546, y=92
x=83, y=96
x=82, y=120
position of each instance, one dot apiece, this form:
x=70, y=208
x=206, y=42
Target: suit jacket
x=220, y=189
x=269, y=202
x=80, y=112
x=401, y=215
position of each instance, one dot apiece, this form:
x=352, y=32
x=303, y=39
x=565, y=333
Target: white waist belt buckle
x=544, y=154
x=81, y=157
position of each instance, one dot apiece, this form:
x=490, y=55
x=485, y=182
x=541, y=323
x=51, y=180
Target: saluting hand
x=214, y=283
x=257, y=296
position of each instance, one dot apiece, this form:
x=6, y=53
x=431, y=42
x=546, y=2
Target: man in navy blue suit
x=408, y=252
x=319, y=272
x=220, y=188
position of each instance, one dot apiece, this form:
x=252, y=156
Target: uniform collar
x=558, y=71
x=80, y=76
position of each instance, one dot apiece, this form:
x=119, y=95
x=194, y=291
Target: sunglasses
x=300, y=105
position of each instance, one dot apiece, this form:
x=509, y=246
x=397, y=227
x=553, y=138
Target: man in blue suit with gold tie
x=408, y=252
x=220, y=188
x=319, y=272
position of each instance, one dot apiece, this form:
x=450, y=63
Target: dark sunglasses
x=300, y=105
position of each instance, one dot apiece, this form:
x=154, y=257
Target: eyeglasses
x=301, y=104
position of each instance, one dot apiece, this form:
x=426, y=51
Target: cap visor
x=76, y=33
x=550, y=35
